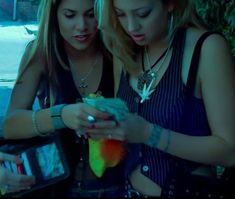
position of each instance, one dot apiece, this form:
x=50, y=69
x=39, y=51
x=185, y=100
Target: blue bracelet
x=155, y=136
x=56, y=116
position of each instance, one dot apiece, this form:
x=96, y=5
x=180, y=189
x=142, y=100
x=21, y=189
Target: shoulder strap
x=195, y=62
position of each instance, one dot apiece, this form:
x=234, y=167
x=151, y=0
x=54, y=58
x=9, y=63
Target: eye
x=90, y=15
x=120, y=14
x=69, y=15
x=144, y=14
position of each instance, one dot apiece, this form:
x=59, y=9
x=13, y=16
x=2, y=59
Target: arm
x=18, y=122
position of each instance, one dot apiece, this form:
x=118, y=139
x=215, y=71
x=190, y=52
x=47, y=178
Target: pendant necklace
x=83, y=84
x=147, y=77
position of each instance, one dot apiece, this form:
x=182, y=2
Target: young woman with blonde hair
x=178, y=81
x=66, y=62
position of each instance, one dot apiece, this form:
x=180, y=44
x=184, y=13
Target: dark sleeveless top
x=67, y=93
x=172, y=106
x=75, y=147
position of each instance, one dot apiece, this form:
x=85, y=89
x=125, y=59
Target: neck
x=157, y=47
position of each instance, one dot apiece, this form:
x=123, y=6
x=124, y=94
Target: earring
x=171, y=24
x=170, y=27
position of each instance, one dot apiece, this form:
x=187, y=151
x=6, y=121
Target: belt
x=96, y=189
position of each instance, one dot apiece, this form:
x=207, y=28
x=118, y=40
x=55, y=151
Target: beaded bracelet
x=154, y=138
x=35, y=125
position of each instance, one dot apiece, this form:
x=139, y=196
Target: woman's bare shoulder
x=214, y=40
x=37, y=63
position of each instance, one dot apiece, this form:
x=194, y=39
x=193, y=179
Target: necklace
x=83, y=85
x=147, y=77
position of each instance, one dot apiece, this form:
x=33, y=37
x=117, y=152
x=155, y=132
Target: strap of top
x=195, y=62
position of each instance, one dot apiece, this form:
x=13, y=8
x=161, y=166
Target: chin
x=82, y=46
x=141, y=43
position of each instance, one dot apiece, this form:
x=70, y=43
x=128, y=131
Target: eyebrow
x=70, y=10
x=134, y=10
x=91, y=9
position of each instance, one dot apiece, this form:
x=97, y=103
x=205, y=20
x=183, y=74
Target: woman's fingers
x=10, y=182
x=14, y=189
x=76, y=116
x=100, y=115
x=19, y=180
x=103, y=132
x=10, y=157
x=105, y=124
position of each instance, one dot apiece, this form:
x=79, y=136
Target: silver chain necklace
x=83, y=85
x=146, y=78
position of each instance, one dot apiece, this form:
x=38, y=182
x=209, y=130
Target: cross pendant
x=83, y=85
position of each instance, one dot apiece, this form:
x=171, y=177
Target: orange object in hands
x=104, y=154
x=112, y=151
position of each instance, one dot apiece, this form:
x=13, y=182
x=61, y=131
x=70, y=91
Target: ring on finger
x=91, y=119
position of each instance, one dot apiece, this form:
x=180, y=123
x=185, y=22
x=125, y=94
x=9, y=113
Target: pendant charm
x=83, y=85
x=145, y=78
x=146, y=92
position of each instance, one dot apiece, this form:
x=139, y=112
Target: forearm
x=19, y=124
x=204, y=149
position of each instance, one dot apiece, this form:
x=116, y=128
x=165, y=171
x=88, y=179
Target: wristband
x=56, y=116
x=154, y=138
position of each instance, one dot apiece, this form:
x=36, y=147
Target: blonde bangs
x=114, y=37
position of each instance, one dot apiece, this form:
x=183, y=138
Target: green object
x=96, y=161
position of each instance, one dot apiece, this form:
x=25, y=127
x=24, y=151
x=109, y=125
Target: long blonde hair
x=120, y=44
x=46, y=44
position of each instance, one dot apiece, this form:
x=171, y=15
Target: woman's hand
x=75, y=116
x=132, y=129
x=10, y=182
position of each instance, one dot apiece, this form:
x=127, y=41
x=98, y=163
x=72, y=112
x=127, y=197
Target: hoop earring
x=170, y=27
x=171, y=24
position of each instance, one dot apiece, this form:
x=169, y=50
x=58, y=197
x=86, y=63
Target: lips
x=138, y=37
x=82, y=38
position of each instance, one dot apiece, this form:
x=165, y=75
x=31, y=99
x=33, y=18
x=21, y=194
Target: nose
x=133, y=25
x=81, y=24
